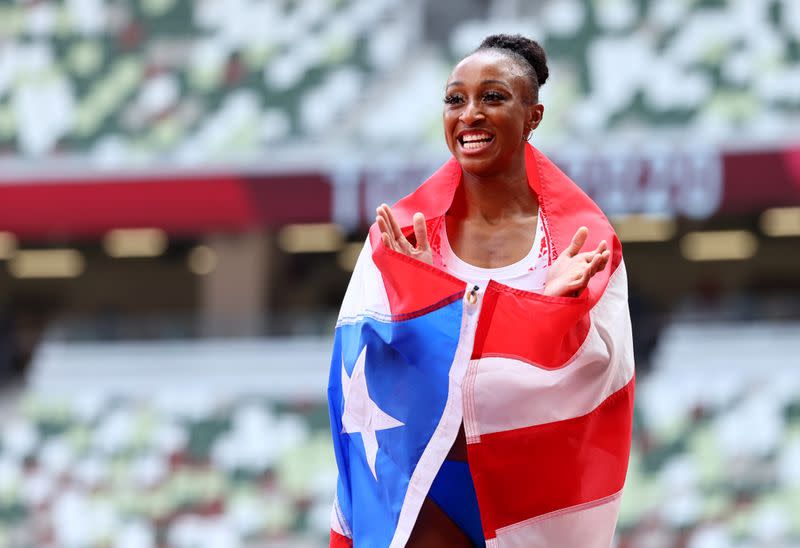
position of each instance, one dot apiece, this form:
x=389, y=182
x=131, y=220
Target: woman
x=547, y=458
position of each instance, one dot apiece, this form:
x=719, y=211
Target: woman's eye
x=493, y=96
x=453, y=100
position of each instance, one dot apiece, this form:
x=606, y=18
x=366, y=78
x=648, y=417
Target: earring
x=527, y=137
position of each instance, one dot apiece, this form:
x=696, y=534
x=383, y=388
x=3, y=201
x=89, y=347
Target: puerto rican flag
x=544, y=385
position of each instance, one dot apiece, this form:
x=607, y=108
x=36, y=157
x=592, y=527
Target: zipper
x=473, y=302
x=472, y=296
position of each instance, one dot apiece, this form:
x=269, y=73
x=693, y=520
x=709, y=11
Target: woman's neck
x=493, y=199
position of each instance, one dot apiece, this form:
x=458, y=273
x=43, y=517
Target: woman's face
x=488, y=112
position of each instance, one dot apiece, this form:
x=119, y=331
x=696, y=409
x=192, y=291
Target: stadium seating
x=144, y=81
x=636, y=68
x=717, y=443
x=146, y=473
x=211, y=443
x=131, y=84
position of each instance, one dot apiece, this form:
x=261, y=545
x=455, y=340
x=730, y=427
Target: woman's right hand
x=393, y=238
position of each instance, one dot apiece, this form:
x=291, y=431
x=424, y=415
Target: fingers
x=421, y=231
x=386, y=234
x=387, y=241
x=583, y=276
x=385, y=219
x=597, y=262
x=393, y=237
x=382, y=218
x=577, y=241
x=604, y=257
x=392, y=222
x=594, y=267
x=601, y=247
x=381, y=224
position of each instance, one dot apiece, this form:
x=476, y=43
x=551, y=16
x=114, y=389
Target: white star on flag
x=361, y=414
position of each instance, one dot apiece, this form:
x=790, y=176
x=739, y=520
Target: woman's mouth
x=475, y=141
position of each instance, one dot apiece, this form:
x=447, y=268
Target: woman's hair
x=528, y=53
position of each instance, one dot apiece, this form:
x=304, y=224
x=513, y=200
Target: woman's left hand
x=571, y=272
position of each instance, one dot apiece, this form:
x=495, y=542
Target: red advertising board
x=691, y=184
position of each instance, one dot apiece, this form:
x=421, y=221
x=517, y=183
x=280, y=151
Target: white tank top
x=528, y=274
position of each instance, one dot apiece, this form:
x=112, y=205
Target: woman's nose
x=472, y=113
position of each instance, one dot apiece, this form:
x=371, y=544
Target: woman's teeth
x=474, y=142
x=473, y=145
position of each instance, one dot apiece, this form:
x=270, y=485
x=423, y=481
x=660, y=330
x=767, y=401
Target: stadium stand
x=169, y=443
x=717, y=435
x=172, y=470
x=706, y=68
x=180, y=79
x=174, y=81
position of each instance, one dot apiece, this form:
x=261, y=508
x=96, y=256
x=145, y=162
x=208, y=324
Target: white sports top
x=528, y=274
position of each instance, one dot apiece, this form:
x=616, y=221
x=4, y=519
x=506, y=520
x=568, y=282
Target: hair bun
x=528, y=49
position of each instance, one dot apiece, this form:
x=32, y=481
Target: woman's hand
x=393, y=237
x=571, y=272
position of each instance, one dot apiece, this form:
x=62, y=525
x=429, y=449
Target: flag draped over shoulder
x=543, y=385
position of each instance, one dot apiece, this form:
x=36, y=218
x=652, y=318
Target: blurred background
x=184, y=186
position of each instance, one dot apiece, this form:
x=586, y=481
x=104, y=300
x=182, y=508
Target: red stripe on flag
x=544, y=331
x=523, y=473
x=340, y=541
x=413, y=287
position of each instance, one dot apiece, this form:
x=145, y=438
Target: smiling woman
x=492, y=98
x=529, y=446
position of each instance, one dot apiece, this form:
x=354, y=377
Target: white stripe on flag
x=532, y=395
x=366, y=292
x=589, y=525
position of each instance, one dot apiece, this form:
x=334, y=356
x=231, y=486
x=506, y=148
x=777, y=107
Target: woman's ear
x=536, y=113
